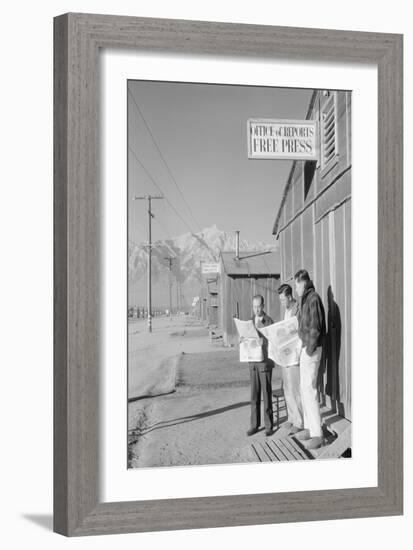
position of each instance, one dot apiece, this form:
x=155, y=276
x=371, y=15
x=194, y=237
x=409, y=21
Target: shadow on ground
x=191, y=418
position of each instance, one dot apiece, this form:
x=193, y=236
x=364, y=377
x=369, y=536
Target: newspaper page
x=284, y=340
x=250, y=347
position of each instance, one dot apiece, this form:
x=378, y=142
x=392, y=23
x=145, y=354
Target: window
x=309, y=171
x=328, y=131
x=213, y=300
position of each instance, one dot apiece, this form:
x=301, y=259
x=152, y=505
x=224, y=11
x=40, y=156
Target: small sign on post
x=282, y=139
x=210, y=268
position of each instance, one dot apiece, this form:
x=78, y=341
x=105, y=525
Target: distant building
x=239, y=280
x=313, y=225
x=206, y=306
x=212, y=302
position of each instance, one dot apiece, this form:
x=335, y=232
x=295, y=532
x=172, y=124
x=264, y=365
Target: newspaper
x=246, y=329
x=285, y=345
x=250, y=347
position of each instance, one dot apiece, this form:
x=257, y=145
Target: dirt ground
x=152, y=357
x=189, y=399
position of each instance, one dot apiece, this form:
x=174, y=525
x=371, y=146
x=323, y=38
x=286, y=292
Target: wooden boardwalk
x=286, y=448
x=282, y=447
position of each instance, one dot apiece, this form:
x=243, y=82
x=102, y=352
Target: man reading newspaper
x=291, y=373
x=285, y=351
x=260, y=370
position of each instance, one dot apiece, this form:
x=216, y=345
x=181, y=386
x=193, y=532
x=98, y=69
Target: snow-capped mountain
x=188, y=252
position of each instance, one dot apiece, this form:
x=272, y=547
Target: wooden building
x=313, y=226
x=207, y=303
x=212, y=302
x=239, y=280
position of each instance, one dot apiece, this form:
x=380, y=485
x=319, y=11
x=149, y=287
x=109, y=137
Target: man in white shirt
x=291, y=374
x=311, y=331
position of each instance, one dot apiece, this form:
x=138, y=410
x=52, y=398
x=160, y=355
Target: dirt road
x=204, y=421
x=152, y=357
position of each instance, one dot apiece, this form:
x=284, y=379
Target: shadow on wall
x=329, y=377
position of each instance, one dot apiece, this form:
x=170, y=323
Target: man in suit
x=261, y=374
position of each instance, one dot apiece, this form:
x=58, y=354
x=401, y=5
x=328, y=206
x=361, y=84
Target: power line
x=162, y=241
x=165, y=228
x=166, y=245
x=141, y=244
x=140, y=227
x=168, y=201
x=159, y=189
x=163, y=159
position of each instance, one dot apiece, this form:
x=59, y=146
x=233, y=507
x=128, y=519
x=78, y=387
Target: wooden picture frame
x=78, y=39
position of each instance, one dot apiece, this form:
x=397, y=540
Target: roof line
x=249, y=267
x=290, y=175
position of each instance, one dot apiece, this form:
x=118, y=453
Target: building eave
x=290, y=175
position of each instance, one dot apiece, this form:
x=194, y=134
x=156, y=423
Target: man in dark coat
x=311, y=330
x=261, y=374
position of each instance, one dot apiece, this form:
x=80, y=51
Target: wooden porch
x=281, y=446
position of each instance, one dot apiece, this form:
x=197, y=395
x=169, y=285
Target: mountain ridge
x=187, y=251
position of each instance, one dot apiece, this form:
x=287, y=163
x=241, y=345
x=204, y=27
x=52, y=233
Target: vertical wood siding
x=319, y=239
x=240, y=290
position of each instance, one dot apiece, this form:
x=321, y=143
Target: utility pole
x=170, y=259
x=201, y=293
x=149, y=198
x=177, y=294
x=237, y=245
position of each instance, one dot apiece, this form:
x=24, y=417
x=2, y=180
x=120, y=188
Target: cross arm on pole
x=143, y=197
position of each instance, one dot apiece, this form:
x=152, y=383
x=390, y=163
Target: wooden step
x=289, y=449
x=279, y=450
x=337, y=447
x=261, y=453
x=340, y=429
x=336, y=424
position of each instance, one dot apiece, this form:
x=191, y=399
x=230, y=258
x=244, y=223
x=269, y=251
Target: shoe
x=269, y=432
x=303, y=435
x=313, y=443
x=252, y=431
x=294, y=429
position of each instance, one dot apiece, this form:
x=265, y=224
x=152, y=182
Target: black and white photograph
x=239, y=274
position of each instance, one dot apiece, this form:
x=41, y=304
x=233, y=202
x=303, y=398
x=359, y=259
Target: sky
x=200, y=130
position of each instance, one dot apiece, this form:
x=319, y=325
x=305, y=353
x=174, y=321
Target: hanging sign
x=212, y=267
x=282, y=139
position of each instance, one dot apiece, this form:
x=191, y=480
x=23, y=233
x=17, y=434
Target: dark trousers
x=261, y=375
